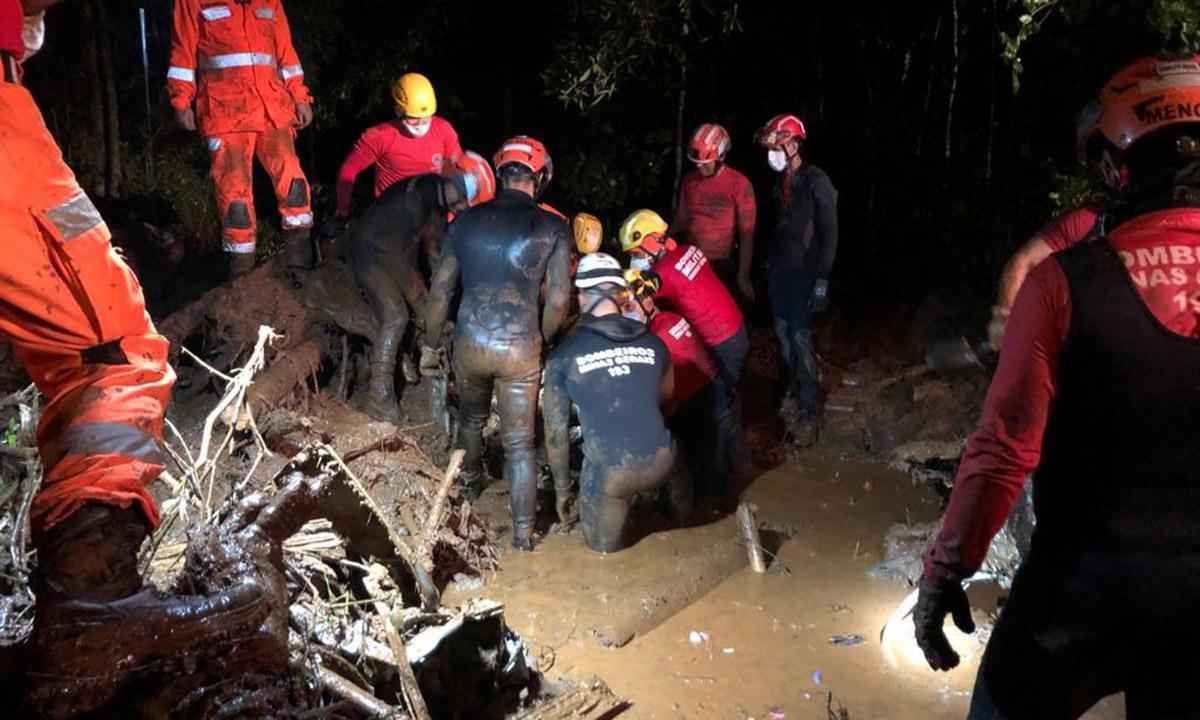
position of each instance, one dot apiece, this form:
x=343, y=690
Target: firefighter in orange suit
x=235, y=61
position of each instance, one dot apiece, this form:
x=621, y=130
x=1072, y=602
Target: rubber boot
x=97, y=626
x=381, y=394
x=299, y=249
x=470, y=484
x=240, y=264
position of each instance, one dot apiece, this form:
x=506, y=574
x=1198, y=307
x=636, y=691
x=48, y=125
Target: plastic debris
x=817, y=677
x=776, y=714
x=728, y=651
x=697, y=638
x=847, y=640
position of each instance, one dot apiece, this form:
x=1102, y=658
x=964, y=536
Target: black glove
x=934, y=601
x=333, y=228
x=819, y=302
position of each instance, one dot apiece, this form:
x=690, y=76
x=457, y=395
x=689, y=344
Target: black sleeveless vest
x=1120, y=467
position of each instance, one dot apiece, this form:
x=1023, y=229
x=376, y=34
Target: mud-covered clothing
x=696, y=428
x=500, y=253
x=695, y=368
x=615, y=371
x=1161, y=256
x=805, y=236
x=715, y=212
x=396, y=155
x=1074, y=226
x=692, y=289
x=384, y=245
x=790, y=295
x=1096, y=389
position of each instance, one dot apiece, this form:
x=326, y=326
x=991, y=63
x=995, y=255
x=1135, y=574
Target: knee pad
x=297, y=196
x=237, y=216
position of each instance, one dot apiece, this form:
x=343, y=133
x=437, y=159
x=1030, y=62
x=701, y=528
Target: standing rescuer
x=717, y=210
x=689, y=287
x=415, y=143
x=1096, y=389
x=619, y=375
x=75, y=315
x=800, y=257
x=499, y=253
x=384, y=246
x=235, y=61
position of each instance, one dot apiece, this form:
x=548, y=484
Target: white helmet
x=598, y=269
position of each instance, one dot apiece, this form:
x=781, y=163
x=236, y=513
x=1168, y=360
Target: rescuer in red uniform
x=1097, y=390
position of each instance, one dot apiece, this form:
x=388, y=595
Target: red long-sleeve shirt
x=1161, y=252
x=714, y=211
x=1070, y=228
x=396, y=155
x=693, y=362
x=10, y=28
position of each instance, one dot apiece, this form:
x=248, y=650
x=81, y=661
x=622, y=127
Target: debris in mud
x=847, y=640
x=932, y=462
x=20, y=478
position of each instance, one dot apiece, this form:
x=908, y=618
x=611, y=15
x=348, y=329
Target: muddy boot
x=240, y=264
x=97, y=626
x=381, y=393
x=381, y=401
x=805, y=432
x=299, y=249
x=470, y=485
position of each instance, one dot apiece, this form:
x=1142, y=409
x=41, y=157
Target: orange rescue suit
x=236, y=62
x=77, y=321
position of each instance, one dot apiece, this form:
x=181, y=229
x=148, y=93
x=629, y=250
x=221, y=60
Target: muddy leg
x=518, y=413
x=602, y=516
x=475, y=404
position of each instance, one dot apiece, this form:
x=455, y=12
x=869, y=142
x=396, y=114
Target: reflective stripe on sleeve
x=291, y=71
x=75, y=216
x=182, y=74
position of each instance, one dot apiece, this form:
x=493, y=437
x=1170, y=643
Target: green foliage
x=12, y=433
x=179, y=173
x=1074, y=189
x=1178, y=22
x=614, y=41
x=1033, y=14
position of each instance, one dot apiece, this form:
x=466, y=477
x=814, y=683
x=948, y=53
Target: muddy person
x=1096, y=390
x=689, y=409
x=619, y=375
x=235, y=63
x=384, y=247
x=800, y=257
x=689, y=286
x=717, y=210
x=103, y=368
x=499, y=254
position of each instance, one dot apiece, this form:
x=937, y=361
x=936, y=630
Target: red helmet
x=473, y=165
x=530, y=154
x=1142, y=98
x=709, y=144
x=1147, y=95
x=781, y=129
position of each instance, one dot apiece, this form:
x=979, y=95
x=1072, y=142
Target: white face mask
x=417, y=130
x=33, y=33
x=634, y=312
x=640, y=262
x=777, y=160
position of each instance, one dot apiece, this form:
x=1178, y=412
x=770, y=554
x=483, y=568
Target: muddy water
x=767, y=645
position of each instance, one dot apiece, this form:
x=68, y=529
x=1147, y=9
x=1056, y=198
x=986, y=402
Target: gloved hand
x=333, y=228
x=186, y=119
x=304, y=115
x=934, y=601
x=433, y=362
x=819, y=302
x=996, y=326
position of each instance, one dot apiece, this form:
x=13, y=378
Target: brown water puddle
x=766, y=643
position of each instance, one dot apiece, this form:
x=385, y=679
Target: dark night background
x=943, y=170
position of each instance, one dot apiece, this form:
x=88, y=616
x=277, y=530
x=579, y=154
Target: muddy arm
x=666, y=386
x=558, y=285
x=445, y=281
x=556, y=416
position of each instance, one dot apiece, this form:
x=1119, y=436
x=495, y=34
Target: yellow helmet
x=588, y=232
x=414, y=96
x=639, y=226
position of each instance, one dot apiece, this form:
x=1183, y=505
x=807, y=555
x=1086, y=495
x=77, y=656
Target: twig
x=750, y=535
x=408, y=681
x=434, y=521
x=21, y=397
x=344, y=371
x=205, y=365
x=348, y=691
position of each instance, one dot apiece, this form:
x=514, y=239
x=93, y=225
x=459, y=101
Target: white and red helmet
x=780, y=129
x=709, y=144
x=529, y=153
